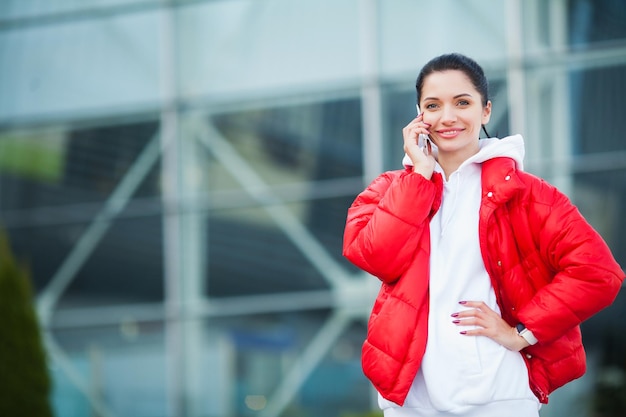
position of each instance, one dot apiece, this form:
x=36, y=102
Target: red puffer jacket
x=549, y=268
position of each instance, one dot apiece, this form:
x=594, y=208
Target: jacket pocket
x=555, y=364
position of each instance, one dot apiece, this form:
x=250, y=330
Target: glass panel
x=125, y=267
x=410, y=32
x=122, y=367
x=307, y=156
x=54, y=182
x=250, y=254
x=596, y=21
x=605, y=345
x=269, y=347
x=597, y=95
x=247, y=46
x=53, y=167
x=66, y=68
x=600, y=197
x=308, y=142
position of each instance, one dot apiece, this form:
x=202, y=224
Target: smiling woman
x=487, y=271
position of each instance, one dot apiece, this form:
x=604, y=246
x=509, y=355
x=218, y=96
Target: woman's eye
x=431, y=106
x=463, y=102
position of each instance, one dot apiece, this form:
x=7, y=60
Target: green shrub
x=24, y=379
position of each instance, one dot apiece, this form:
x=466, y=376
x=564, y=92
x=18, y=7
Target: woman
x=479, y=262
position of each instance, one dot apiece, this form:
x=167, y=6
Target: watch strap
x=526, y=334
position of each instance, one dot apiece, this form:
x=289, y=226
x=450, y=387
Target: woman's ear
x=486, y=113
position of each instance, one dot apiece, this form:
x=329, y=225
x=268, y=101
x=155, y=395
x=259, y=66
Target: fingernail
x=454, y=315
x=462, y=302
x=463, y=332
x=456, y=321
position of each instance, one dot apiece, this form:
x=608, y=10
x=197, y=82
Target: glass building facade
x=177, y=174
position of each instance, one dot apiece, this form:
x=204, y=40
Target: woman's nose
x=448, y=115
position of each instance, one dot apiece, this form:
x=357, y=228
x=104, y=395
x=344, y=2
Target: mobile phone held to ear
x=422, y=140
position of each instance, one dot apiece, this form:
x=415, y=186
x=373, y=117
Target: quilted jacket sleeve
x=587, y=277
x=385, y=222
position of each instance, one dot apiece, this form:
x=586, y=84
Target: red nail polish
x=463, y=332
x=454, y=315
x=462, y=302
x=456, y=321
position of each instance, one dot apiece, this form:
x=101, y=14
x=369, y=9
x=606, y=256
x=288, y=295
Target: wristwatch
x=526, y=334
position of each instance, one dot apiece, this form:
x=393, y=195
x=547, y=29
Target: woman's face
x=454, y=109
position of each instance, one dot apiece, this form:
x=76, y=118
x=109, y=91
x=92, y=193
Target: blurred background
x=176, y=174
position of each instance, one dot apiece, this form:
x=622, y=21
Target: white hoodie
x=462, y=375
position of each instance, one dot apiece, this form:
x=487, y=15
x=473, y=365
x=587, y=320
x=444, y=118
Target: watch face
x=520, y=328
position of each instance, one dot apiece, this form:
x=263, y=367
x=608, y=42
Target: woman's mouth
x=449, y=133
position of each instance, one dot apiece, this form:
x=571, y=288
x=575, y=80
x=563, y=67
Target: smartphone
x=422, y=140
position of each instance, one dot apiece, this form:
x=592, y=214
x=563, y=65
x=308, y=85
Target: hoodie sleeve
x=587, y=277
x=386, y=221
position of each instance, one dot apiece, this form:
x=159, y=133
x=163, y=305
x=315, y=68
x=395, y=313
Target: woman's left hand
x=489, y=324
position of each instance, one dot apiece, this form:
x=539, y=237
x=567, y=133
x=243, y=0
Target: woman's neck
x=451, y=161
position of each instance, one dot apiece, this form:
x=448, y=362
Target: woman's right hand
x=422, y=158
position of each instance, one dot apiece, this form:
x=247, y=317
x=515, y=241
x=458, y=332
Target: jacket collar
x=500, y=180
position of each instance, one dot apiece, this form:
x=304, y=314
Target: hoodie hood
x=509, y=147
